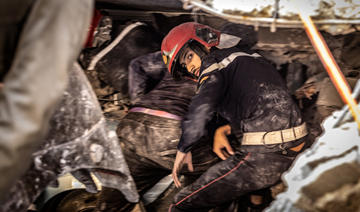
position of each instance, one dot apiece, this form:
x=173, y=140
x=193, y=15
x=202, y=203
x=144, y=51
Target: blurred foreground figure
x=39, y=42
x=78, y=142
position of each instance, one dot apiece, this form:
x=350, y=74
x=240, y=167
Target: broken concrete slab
x=326, y=176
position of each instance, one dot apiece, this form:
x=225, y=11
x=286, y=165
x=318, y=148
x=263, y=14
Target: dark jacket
x=244, y=89
x=148, y=75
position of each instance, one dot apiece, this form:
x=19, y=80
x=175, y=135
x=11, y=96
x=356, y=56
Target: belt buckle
x=263, y=138
x=273, y=136
x=271, y=133
x=281, y=146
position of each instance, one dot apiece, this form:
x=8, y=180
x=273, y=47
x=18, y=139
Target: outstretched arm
x=201, y=111
x=145, y=73
x=181, y=159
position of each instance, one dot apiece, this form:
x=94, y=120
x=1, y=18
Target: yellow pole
x=330, y=65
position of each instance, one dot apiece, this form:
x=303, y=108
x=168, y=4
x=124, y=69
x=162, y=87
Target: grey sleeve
x=50, y=41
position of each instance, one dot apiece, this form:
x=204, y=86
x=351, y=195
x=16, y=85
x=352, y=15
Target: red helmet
x=181, y=35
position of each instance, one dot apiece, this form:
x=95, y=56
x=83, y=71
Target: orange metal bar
x=331, y=66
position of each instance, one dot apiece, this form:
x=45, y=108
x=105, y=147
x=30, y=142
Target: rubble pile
x=326, y=176
x=106, y=63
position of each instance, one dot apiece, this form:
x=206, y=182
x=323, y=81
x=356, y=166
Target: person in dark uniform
x=151, y=130
x=242, y=87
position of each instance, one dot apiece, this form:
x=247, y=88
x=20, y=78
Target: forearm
x=223, y=130
x=202, y=108
x=144, y=73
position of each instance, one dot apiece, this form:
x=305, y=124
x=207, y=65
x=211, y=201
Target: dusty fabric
x=150, y=148
x=230, y=179
x=78, y=142
x=49, y=42
x=151, y=86
x=248, y=92
x=155, y=139
x=150, y=141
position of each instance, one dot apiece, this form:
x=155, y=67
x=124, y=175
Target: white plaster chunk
x=330, y=164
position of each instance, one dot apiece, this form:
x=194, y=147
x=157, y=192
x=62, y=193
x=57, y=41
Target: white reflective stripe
x=226, y=61
x=211, y=68
x=103, y=52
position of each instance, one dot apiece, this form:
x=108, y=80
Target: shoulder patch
x=203, y=79
x=226, y=61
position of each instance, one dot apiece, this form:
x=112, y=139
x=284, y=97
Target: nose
x=190, y=66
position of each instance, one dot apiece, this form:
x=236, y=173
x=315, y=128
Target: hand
x=180, y=159
x=221, y=142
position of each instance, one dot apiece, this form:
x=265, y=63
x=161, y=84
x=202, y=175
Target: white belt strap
x=274, y=137
x=226, y=61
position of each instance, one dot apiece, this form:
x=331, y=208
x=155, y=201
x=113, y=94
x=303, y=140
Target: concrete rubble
x=335, y=17
x=325, y=177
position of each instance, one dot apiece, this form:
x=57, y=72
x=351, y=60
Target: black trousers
x=230, y=179
x=149, y=146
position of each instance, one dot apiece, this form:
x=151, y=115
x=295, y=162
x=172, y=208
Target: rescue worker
x=150, y=132
x=248, y=92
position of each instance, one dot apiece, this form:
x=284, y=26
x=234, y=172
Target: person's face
x=191, y=61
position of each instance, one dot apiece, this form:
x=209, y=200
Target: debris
x=325, y=177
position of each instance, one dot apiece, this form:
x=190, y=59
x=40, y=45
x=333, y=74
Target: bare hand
x=180, y=159
x=221, y=145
